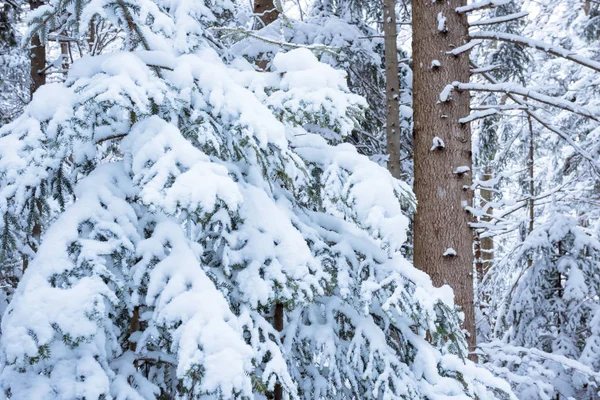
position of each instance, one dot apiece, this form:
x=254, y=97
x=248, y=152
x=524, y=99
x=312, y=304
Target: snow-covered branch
x=465, y=47
x=478, y=115
x=532, y=94
x=481, y=5
x=539, y=45
x=319, y=48
x=546, y=124
x=486, y=68
x=499, y=20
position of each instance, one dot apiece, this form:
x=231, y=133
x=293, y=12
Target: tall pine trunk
x=37, y=56
x=392, y=88
x=443, y=243
x=530, y=159
x=485, y=258
x=37, y=73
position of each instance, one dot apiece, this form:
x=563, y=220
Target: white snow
x=446, y=93
x=441, y=20
x=438, y=143
x=450, y=252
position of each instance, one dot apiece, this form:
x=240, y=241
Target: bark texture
x=392, y=88
x=441, y=221
x=37, y=56
x=266, y=11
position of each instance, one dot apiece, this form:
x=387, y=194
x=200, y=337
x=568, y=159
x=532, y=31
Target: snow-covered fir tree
x=181, y=194
x=14, y=87
x=343, y=35
x=544, y=291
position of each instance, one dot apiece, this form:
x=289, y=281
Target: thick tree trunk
x=392, y=88
x=441, y=222
x=37, y=56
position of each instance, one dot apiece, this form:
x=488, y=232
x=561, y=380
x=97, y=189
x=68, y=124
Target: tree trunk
x=278, y=325
x=92, y=38
x=586, y=6
x=266, y=11
x=441, y=222
x=487, y=243
x=392, y=88
x=134, y=326
x=531, y=183
x=37, y=56
x=64, y=53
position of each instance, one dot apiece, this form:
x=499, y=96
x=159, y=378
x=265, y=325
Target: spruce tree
x=187, y=193
x=13, y=63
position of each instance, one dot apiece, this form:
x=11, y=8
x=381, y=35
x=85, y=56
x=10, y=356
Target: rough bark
x=266, y=11
x=392, y=88
x=37, y=56
x=441, y=221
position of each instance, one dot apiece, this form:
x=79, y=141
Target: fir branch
x=318, y=48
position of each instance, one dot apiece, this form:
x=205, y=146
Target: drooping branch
x=478, y=115
x=532, y=94
x=499, y=20
x=486, y=68
x=318, y=48
x=542, y=121
x=556, y=51
x=465, y=47
x=482, y=5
